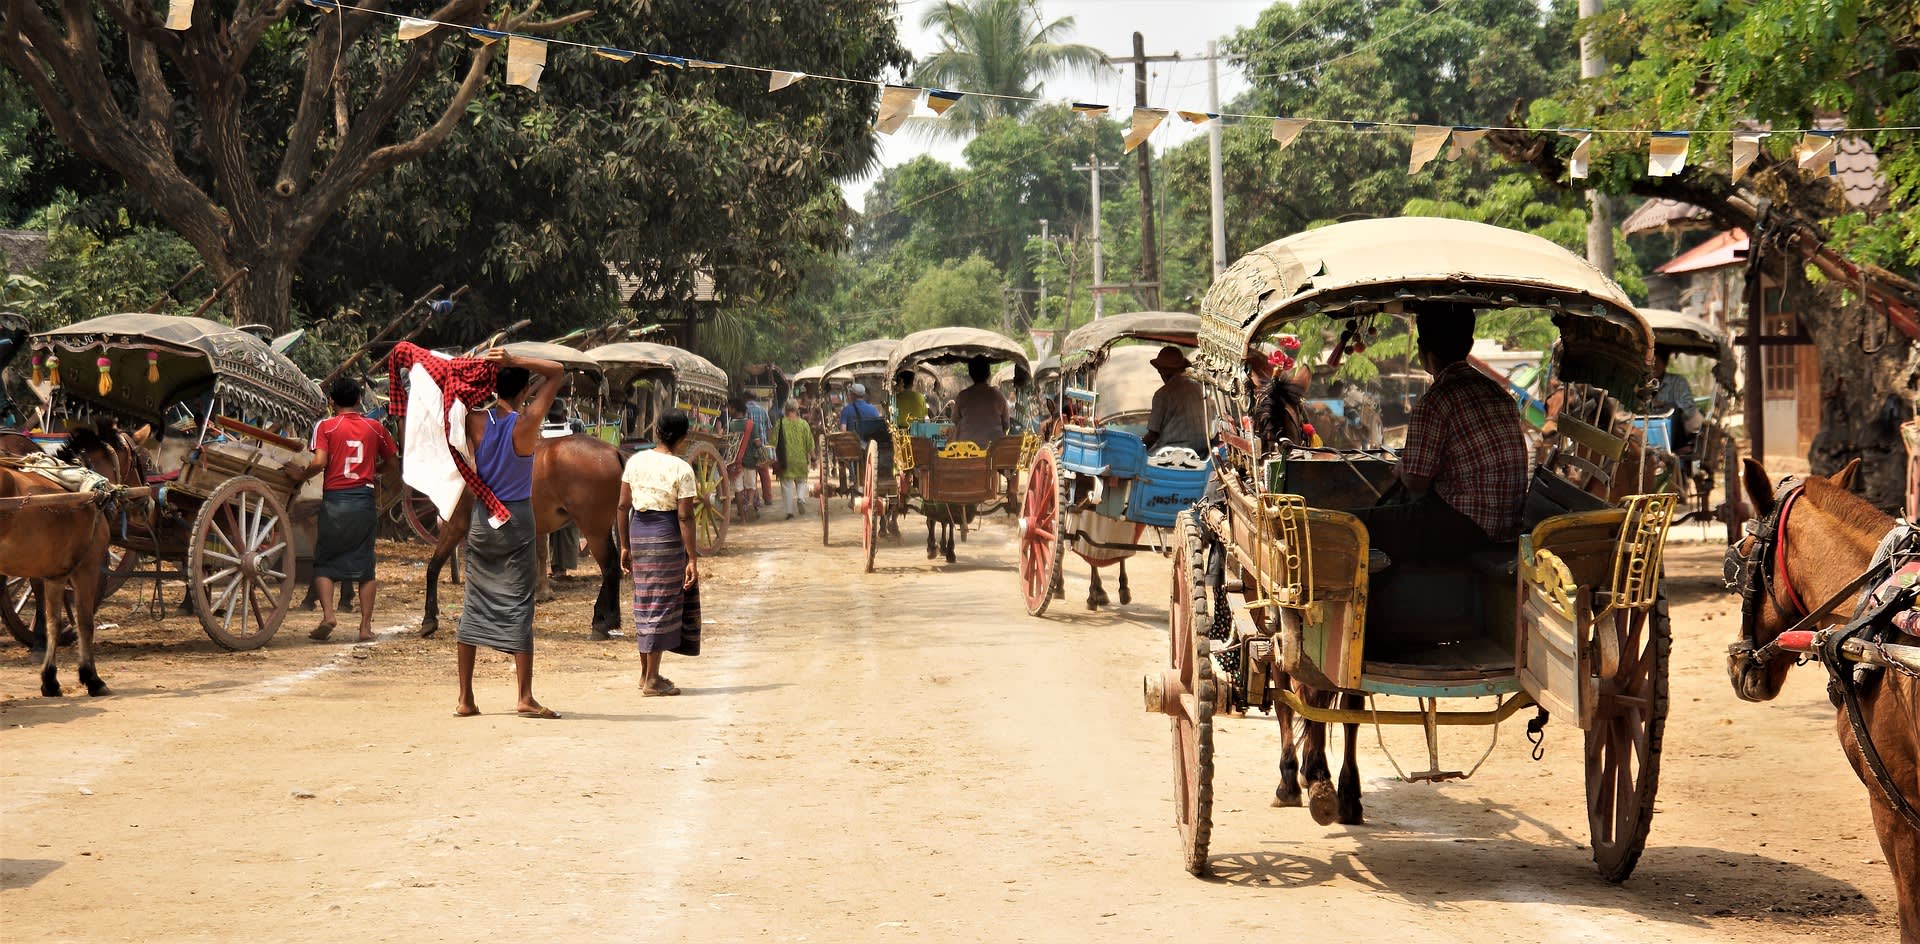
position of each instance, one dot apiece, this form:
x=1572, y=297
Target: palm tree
x=1000, y=47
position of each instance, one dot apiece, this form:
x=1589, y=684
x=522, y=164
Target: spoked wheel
x=710, y=507
x=1040, y=540
x=1184, y=691
x=870, y=505
x=1623, y=745
x=422, y=517
x=122, y=565
x=240, y=564
x=821, y=496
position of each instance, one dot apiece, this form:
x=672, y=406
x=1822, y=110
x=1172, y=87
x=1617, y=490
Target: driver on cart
x=1465, y=462
x=1674, y=396
x=1179, y=416
x=980, y=413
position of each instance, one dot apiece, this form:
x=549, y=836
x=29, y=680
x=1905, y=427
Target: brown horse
x=59, y=540
x=1821, y=541
x=576, y=479
x=1279, y=414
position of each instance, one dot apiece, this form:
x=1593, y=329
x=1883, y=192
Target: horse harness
x=1760, y=572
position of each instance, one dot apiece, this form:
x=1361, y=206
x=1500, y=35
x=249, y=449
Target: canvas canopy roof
x=624, y=359
x=809, y=374
x=193, y=356
x=1691, y=334
x=1091, y=340
x=865, y=358
x=1363, y=267
x=954, y=346
x=570, y=358
x=1125, y=383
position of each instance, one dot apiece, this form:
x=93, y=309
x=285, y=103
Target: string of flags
x=1667, y=150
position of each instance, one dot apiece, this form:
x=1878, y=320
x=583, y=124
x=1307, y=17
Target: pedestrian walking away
x=793, y=441
x=657, y=492
x=502, y=560
x=351, y=451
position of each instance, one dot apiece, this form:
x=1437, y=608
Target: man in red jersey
x=352, y=450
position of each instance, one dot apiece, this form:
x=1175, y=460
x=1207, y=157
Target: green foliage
x=91, y=272
x=1001, y=47
x=967, y=294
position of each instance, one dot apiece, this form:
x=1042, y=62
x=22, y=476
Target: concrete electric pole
x=1149, y=251
x=1093, y=167
x=1217, y=204
x=1599, y=205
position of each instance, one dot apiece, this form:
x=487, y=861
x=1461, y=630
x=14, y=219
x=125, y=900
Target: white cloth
x=432, y=435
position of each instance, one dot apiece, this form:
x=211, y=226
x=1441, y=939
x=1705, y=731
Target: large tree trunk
x=261, y=295
x=1864, y=365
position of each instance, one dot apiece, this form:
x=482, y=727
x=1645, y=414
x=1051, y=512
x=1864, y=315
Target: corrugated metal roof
x=23, y=248
x=1662, y=215
x=1727, y=249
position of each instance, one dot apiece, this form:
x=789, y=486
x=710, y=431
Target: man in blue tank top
x=503, y=562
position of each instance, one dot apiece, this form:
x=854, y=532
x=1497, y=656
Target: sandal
x=321, y=632
x=542, y=712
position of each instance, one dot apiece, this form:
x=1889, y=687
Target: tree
x=965, y=295
x=998, y=47
x=1781, y=64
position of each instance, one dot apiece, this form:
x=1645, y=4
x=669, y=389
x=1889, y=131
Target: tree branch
x=323, y=61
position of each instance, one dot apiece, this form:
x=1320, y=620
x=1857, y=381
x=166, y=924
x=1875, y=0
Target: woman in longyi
x=657, y=494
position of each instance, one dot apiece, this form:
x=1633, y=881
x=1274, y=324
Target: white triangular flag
x=1816, y=152
x=1427, y=142
x=1577, y=161
x=777, y=80
x=896, y=103
x=1746, y=147
x=1463, y=141
x=1286, y=129
x=526, y=59
x=1667, y=153
x=1144, y=121
x=179, y=14
x=411, y=28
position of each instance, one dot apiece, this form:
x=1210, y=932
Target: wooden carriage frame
x=1057, y=497
x=1591, y=635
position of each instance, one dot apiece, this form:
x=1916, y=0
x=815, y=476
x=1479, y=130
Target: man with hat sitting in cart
x=1465, y=461
x=1179, y=416
x=980, y=413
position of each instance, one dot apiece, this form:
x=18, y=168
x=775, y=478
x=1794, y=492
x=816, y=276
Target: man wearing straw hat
x=1179, y=416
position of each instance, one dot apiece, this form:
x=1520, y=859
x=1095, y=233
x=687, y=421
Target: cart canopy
x=1125, y=384
x=188, y=357
x=1690, y=334
x=867, y=357
x=573, y=359
x=690, y=371
x=809, y=375
x=1091, y=341
x=1353, y=269
x=942, y=346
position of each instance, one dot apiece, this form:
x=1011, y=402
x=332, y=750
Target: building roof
x=1663, y=215
x=1727, y=249
x=23, y=248
x=632, y=287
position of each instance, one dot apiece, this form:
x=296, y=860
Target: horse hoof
x=950, y=557
x=1322, y=804
x=931, y=553
x=1126, y=596
x=98, y=689
x=428, y=628
x=1093, y=606
x=1284, y=800
x=50, y=689
x=600, y=635
x=1351, y=814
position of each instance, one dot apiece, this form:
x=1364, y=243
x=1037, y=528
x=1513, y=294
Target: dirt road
x=858, y=757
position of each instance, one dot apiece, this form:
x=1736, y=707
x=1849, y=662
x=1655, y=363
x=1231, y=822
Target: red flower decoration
x=1306, y=429
x=1280, y=361
x=1290, y=344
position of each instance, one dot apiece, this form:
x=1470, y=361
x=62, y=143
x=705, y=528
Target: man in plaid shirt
x=1465, y=461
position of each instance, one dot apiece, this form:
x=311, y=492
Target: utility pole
x=1149, y=252
x=1040, y=307
x=1093, y=167
x=1217, y=205
x=1599, y=205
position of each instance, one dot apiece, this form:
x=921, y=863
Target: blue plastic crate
x=1161, y=494
x=1659, y=432
x=1104, y=452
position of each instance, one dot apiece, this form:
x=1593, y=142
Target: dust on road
x=859, y=757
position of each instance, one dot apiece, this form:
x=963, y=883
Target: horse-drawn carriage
x=924, y=468
x=1097, y=491
x=1570, y=618
x=225, y=420
x=653, y=378
x=1697, y=454
x=841, y=452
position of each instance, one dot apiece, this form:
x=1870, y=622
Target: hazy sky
x=1169, y=26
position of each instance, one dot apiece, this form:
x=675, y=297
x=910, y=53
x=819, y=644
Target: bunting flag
x=1363, y=125
x=1746, y=147
x=1577, y=161
x=939, y=100
x=1144, y=121
x=411, y=28
x=1464, y=138
x=1816, y=152
x=1427, y=142
x=703, y=64
x=526, y=59
x=1286, y=129
x=1198, y=117
x=675, y=62
x=778, y=80
x=1666, y=153
x=896, y=103
x=1091, y=111
x=617, y=55
x=179, y=14
x=486, y=37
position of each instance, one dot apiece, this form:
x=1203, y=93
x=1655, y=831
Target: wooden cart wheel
x=422, y=518
x=1188, y=615
x=1623, y=745
x=820, y=493
x=870, y=505
x=240, y=564
x=710, y=508
x=122, y=565
x=16, y=610
x=1040, y=533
